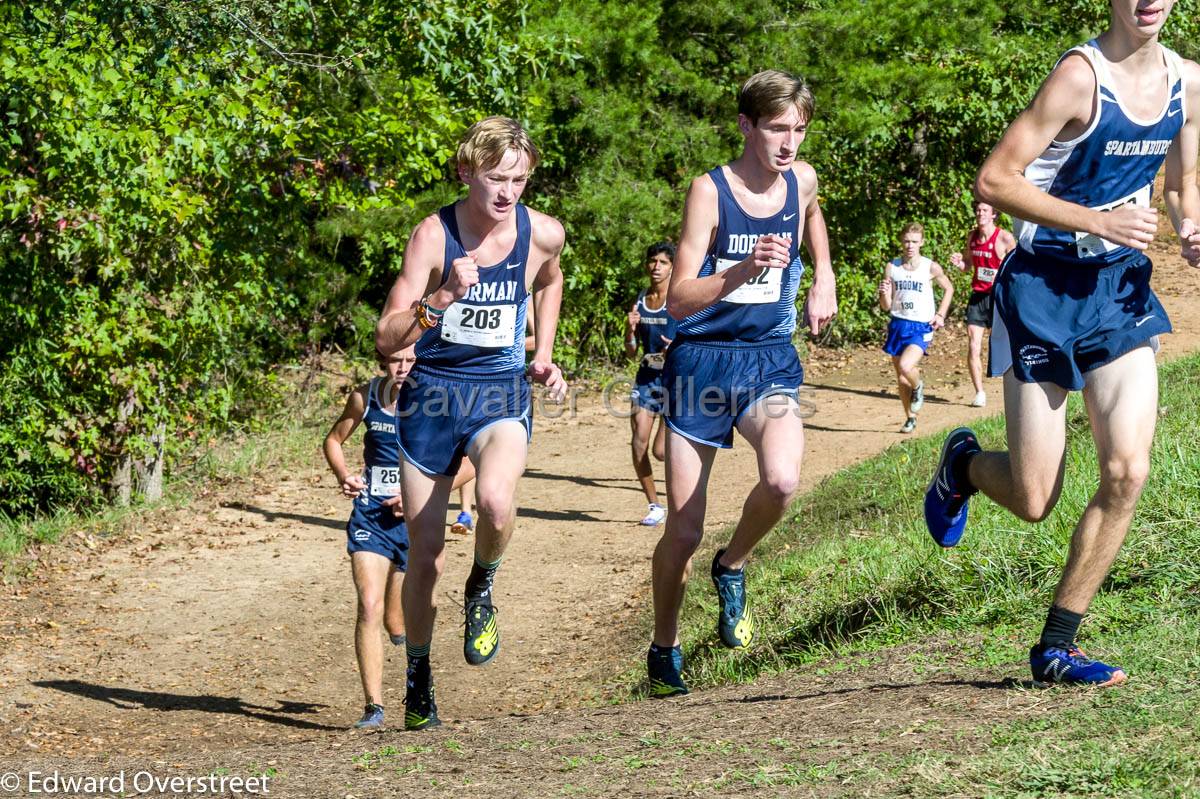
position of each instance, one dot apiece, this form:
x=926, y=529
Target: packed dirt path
x=227, y=626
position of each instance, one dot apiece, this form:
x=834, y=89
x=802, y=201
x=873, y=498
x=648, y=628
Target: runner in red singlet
x=986, y=247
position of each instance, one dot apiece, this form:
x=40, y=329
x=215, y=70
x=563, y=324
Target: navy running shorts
x=374, y=528
x=902, y=333
x=1057, y=321
x=440, y=414
x=710, y=384
x=648, y=393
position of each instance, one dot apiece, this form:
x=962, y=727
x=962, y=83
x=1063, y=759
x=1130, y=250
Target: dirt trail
x=228, y=625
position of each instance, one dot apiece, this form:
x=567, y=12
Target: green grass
x=852, y=571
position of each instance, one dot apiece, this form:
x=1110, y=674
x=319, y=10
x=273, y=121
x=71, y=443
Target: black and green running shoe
x=664, y=666
x=734, y=623
x=481, y=639
x=420, y=711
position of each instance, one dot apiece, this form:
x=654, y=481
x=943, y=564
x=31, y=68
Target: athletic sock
x=663, y=651
x=398, y=640
x=960, y=468
x=1060, y=629
x=479, y=582
x=418, y=654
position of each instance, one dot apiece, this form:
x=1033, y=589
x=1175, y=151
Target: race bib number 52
x=764, y=287
x=489, y=326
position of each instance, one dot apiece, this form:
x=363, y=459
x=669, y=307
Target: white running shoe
x=980, y=400
x=656, y=516
x=909, y=425
x=918, y=398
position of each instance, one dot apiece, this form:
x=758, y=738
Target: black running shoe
x=420, y=711
x=481, y=638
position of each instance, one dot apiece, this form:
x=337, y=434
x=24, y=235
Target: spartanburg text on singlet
x=381, y=446
x=763, y=307
x=653, y=326
x=484, y=332
x=912, y=290
x=1112, y=163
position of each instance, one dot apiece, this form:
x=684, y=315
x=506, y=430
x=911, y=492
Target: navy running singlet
x=484, y=332
x=381, y=446
x=1112, y=163
x=763, y=307
x=653, y=326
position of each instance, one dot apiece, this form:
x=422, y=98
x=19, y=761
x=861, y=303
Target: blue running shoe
x=372, y=718
x=463, y=524
x=1070, y=666
x=945, y=500
x=664, y=667
x=735, y=624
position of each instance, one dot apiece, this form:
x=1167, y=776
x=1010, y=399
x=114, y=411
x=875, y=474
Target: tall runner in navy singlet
x=985, y=249
x=732, y=364
x=376, y=535
x=652, y=329
x=1074, y=308
x=462, y=296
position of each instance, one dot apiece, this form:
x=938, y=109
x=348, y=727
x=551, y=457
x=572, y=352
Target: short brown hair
x=770, y=93
x=913, y=227
x=485, y=143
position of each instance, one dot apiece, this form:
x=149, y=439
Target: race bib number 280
x=764, y=287
x=480, y=325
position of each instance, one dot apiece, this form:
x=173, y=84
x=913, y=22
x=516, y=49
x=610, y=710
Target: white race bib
x=490, y=326
x=385, y=481
x=987, y=275
x=765, y=287
x=1089, y=245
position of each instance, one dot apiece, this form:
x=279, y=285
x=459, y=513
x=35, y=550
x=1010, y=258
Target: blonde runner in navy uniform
x=1074, y=307
x=732, y=364
x=462, y=294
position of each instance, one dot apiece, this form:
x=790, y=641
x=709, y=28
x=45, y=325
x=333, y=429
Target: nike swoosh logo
x=788, y=217
x=1142, y=321
x=1176, y=112
x=513, y=266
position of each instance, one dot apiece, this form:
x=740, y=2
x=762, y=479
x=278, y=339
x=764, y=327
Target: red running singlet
x=984, y=261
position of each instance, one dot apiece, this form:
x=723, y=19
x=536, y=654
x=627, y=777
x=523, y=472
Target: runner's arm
x=549, y=237
x=885, y=289
x=1005, y=243
x=420, y=276
x=1180, y=193
x=688, y=292
x=1063, y=107
x=947, y=288
x=821, y=304
x=352, y=415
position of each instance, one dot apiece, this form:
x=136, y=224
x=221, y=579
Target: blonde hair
x=913, y=227
x=485, y=143
x=771, y=92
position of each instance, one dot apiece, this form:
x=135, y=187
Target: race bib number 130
x=489, y=326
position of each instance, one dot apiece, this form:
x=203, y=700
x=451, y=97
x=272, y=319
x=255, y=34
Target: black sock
x=1060, y=629
x=418, y=657
x=960, y=468
x=479, y=582
x=657, y=651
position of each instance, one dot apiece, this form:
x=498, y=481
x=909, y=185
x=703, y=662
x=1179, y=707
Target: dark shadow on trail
x=983, y=685
x=620, y=483
x=272, y=516
x=133, y=699
x=862, y=392
x=558, y=515
x=821, y=428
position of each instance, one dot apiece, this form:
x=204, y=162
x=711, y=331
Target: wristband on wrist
x=428, y=316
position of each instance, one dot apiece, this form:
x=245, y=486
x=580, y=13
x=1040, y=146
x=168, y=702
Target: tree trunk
x=150, y=471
